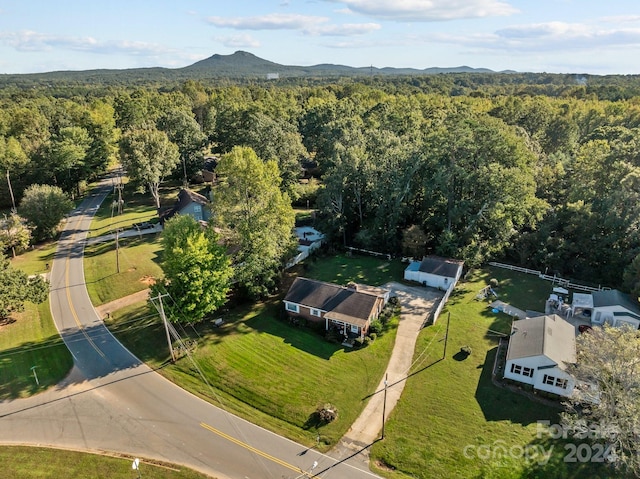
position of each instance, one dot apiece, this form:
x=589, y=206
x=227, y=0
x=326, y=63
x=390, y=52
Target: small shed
x=434, y=271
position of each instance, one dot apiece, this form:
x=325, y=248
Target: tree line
x=545, y=177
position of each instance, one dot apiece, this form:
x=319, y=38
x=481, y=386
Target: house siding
x=603, y=314
x=537, y=380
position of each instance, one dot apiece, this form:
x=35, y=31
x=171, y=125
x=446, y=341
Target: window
x=315, y=312
x=291, y=307
x=354, y=328
x=561, y=383
x=523, y=370
x=550, y=380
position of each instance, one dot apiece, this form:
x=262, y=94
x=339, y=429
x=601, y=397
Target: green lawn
x=262, y=368
x=22, y=462
x=30, y=338
x=138, y=263
x=451, y=404
x=342, y=269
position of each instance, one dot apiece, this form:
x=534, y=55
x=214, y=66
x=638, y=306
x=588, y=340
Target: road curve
x=111, y=401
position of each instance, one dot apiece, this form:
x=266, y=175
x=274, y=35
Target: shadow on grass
x=558, y=459
x=500, y=404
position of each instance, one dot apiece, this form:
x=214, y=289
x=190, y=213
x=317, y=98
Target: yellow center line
x=254, y=450
x=72, y=308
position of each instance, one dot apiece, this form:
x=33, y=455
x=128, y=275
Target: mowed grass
x=451, y=413
x=262, y=368
x=21, y=462
x=139, y=263
x=30, y=338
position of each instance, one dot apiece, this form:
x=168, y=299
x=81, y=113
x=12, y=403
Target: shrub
x=327, y=413
x=373, y=336
x=494, y=283
x=366, y=341
x=376, y=326
x=358, y=342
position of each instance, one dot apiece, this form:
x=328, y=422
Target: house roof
x=613, y=297
x=186, y=197
x=440, y=266
x=339, y=300
x=548, y=335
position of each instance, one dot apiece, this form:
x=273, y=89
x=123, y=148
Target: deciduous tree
x=256, y=216
x=609, y=359
x=197, y=271
x=44, y=206
x=16, y=288
x=149, y=157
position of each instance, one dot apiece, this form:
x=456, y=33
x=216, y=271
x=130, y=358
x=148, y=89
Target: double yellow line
x=71, y=307
x=256, y=451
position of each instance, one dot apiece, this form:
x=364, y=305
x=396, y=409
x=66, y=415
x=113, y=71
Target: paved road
x=112, y=402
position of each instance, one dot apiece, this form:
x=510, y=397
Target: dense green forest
x=538, y=170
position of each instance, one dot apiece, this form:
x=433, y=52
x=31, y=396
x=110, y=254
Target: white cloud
x=238, y=41
x=428, y=10
x=542, y=37
x=344, y=30
x=309, y=25
x=30, y=41
x=272, y=21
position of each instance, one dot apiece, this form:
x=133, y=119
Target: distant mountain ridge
x=246, y=62
x=238, y=65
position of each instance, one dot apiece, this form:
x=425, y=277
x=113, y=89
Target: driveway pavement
x=416, y=303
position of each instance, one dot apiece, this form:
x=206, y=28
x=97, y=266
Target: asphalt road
x=112, y=402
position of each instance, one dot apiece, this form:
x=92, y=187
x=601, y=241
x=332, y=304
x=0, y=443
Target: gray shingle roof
x=613, y=297
x=440, y=266
x=331, y=297
x=549, y=336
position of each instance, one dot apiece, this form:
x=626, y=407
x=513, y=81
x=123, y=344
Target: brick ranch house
x=350, y=309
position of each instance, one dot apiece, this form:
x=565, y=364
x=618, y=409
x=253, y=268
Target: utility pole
x=384, y=403
x=13, y=200
x=446, y=336
x=117, y=252
x=166, y=325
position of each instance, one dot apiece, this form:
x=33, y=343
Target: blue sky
x=577, y=36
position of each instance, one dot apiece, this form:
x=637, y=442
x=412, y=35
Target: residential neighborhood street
x=112, y=402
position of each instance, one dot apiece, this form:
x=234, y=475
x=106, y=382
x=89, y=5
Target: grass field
x=30, y=338
x=451, y=405
x=138, y=264
x=22, y=462
x=263, y=368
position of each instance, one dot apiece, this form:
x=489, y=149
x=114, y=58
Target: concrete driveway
x=416, y=304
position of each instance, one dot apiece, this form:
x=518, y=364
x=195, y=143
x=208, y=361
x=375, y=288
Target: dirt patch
x=383, y=466
x=148, y=280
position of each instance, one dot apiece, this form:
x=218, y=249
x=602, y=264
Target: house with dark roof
x=615, y=308
x=189, y=203
x=349, y=309
x=539, y=351
x=434, y=271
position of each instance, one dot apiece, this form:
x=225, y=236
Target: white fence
x=565, y=283
x=440, y=307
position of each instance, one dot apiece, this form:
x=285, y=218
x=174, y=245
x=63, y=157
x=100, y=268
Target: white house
x=540, y=349
x=434, y=271
x=615, y=308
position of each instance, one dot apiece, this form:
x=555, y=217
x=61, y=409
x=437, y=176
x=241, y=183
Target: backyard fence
x=565, y=283
x=440, y=307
